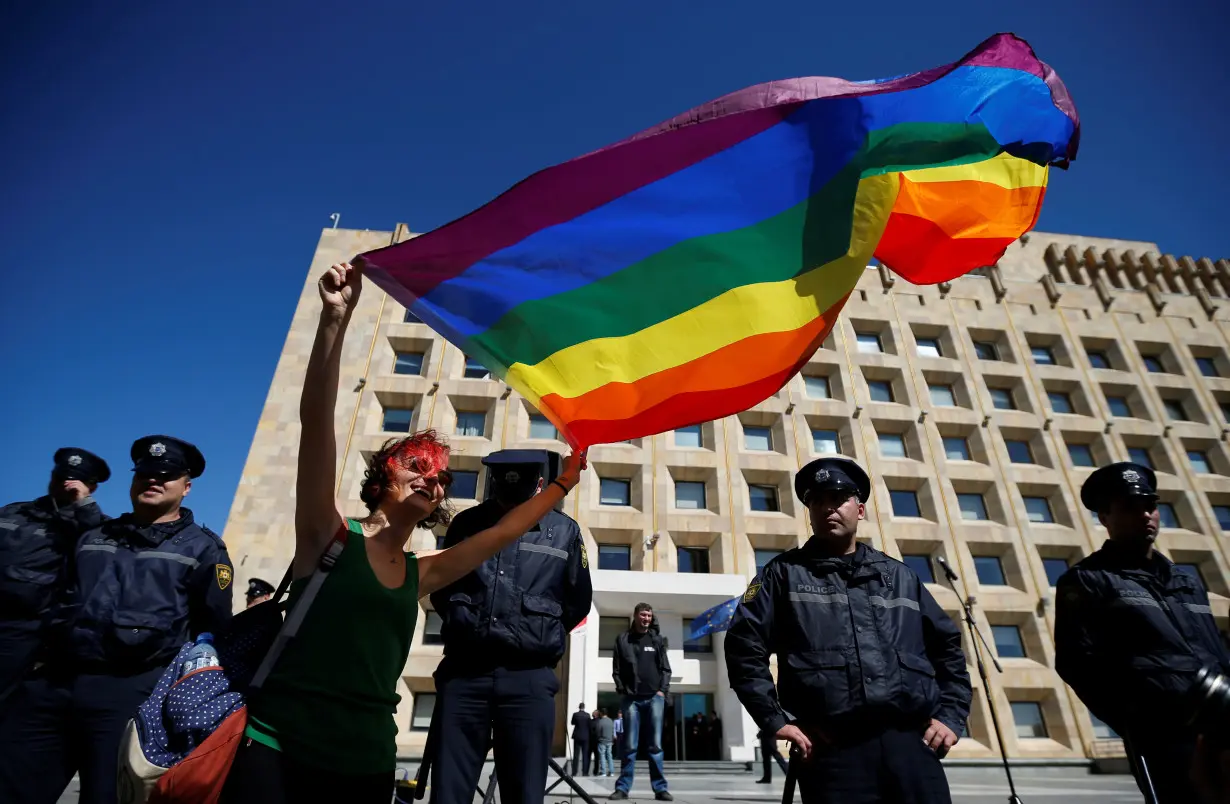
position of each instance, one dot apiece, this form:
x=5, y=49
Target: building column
x=582, y=682
x=738, y=729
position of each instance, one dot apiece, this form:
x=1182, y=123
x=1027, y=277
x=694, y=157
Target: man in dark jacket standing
x=581, y=722
x=1132, y=630
x=872, y=686
x=642, y=675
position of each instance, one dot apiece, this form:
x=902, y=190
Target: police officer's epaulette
x=211, y=533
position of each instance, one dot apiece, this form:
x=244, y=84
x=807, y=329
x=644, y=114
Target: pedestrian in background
x=642, y=674
x=580, y=740
x=604, y=734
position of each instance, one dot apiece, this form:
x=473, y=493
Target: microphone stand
x=975, y=638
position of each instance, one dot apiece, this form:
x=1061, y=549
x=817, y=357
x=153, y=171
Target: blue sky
x=167, y=168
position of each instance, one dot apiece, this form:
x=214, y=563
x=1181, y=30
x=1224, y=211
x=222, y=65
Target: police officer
x=259, y=590
x=1132, y=630
x=36, y=538
x=141, y=586
x=504, y=629
x=872, y=686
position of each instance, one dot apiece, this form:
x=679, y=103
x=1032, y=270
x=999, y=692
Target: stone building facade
x=978, y=408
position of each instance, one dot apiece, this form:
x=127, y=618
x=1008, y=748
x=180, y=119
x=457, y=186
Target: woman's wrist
x=562, y=485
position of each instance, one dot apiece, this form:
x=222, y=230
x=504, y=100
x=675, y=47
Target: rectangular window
x=1008, y=643
x=396, y=420
x=1043, y=355
x=692, y=559
x=689, y=494
x=869, y=342
x=614, y=491
x=956, y=448
x=1222, y=512
x=432, y=624
x=1001, y=398
x=1167, y=516
x=1080, y=454
x=1225, y=410
x=920, y=565
x=609, y=629
x=1153, y=364
x=408, y=363
x=1119, y=406
x=764, y=557
x=757, y=439
x=1207, y=366
x=1098, y=359
x=541, y=427
x=989, y=570
x=892, y=445
x=986, y=350
x=688, y=436
x=410, y=318
x=1175, y=409
x=420, y=713
x=1019, y=452
x=614, y=557
x=942, y=396
x=702, y=645
x=763, y=498
x=1142, y=456
x=1200, y=461
x=880, y=390
x=1060, y=402
x=475, y=370
x=1038, y=509
x=928, y=347
x=973, y=507
x=905, y=503
x=471, y=423
x=825, y=442
x=464, y=486
x=1100, y=730
x=1054, y=567
x=816, y=387
x=1030, y=724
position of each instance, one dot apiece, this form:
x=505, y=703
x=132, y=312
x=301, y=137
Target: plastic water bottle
x=201, y=655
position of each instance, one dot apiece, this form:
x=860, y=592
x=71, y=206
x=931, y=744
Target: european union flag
x=715, y=619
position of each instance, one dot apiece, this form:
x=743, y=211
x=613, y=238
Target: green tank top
x=331, y=697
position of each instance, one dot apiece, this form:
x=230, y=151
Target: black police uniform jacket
x=140, y=592
x=1130, y=636
x=36, y=540
x=859, y=643
x=517, y=608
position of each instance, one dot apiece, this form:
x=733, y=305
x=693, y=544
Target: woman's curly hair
x=424, y=452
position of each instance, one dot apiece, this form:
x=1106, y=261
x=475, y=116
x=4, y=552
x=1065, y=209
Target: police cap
x=258, y=587
x=161, y=454
x=517, y=466
x=1116, y=481
x=840, y=474
x=74, y=463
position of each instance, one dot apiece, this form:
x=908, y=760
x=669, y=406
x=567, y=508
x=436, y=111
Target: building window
x=1175, y=409
x=757, y=439
x=989, y=570
x=1043, y=355
x=1098, y=359
x=688, y=436
x=1100, y=730
x=420, y=714
x=1225, y=410
x=1038, y=509
x=614, y=557
x=609, y=629
x=973, y=507
x=1080, y=454
x=1001, y=398
x=1019, y=452
x=1207, y=367
x=1167, y=516
x=410, y=318
x=1222, y=512
x=614, y=491
x=692, y=559
x=764, y=557
x=825, y=442
x=942, y=396
x=1153, y=364
x=920, y=565
x=905, y=503
x=464, y=485
x=408, y=363
x=928, y=347
x=1061, y=402
x=475, y=370
x=869, y=342
x=432, y=624
x=986, y=350
x=892, y=445
x=1142, y=456
x=956, y=448
x=1030, y=724
x=471, y=423
x=702, y=645
x=880, y=390
x=1199, y=461
x=816, y=387
x=396, y=420
x=1119, y=406
x=689, y=494
x=763, y=498
x=1054, y=567
x=541, y=427
x=1194, y=569
x=1008, y=643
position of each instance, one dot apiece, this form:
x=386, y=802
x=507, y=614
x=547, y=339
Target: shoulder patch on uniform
x=753, y=589
x=224, y=574
x=584, y=556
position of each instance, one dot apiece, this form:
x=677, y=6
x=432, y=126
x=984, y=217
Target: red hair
x=425, y=453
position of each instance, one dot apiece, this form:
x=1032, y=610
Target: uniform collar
x=157, y=533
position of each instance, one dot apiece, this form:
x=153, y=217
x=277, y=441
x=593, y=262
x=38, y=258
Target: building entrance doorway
x=697, y=735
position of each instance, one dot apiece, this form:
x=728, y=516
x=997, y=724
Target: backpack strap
x=297, y=612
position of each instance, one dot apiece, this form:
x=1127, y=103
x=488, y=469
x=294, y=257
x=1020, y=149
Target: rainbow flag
x=687, y=272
